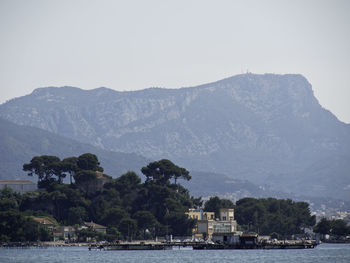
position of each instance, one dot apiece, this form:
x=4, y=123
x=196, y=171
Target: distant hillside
x=269, y=129
x=212, y=184
x=19, y=144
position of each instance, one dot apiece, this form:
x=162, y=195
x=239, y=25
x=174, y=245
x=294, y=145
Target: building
x=207, y=225
x=199, y=214
x=224, y=226
x=66, y=233
x=227, y=238
x=249, y=239
x=50, y=225
x=19, y=186
x=227, y=214
x=96, y=227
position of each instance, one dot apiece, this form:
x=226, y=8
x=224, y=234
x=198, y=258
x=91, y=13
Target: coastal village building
x=199, y=214
x=93, y=226
x=20, y=186
x=66, y=233
x=208, y=225
x=46, y=222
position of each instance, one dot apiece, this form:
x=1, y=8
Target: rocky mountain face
x=269, y=129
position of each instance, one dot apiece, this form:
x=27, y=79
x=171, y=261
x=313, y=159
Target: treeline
x=279, y=217
x=128, y=207
x=334, y=227
x=17, y=225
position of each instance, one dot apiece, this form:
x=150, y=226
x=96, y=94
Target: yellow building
x=199, y=214
x=207, y=225
x=227, y=214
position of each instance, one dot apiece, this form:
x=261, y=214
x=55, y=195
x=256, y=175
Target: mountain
x=212, y=184
x=19, y=144
x=269, y=129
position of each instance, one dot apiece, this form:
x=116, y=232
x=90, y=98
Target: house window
x=224, y=218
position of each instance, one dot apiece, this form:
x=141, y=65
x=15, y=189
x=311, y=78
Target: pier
x=291, y=244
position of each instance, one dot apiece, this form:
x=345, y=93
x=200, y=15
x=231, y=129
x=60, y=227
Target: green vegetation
x=14, y=225
x=279, y=217
x=334, y=227
x=215, y=203
x=266, y=216
x=129, y=208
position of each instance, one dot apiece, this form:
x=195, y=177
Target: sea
x=322, y=253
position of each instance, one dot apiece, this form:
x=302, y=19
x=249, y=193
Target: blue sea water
x=323, y=253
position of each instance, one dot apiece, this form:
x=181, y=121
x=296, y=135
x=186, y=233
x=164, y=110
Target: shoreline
x=153, y=245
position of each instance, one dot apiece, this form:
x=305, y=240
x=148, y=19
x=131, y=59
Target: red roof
x=43, y=221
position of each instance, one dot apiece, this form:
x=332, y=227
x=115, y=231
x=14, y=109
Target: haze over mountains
x=19, y=144
x=269, y=129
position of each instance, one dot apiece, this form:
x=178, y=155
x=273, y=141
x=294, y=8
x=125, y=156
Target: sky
x=133, y=45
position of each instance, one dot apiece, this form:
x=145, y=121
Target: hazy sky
x=129, y=45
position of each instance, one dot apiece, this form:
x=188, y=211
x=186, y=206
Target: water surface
x=322, y=253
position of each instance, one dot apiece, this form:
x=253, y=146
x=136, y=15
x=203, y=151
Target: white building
x=20, y=186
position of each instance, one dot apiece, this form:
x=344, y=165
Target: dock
x=203, y=246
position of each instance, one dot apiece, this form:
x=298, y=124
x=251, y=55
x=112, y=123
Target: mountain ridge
x=255, y=127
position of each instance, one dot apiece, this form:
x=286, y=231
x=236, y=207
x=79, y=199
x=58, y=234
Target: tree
x=128, y=227
x=265, y=216
x=58, y=198
x=45, y=167
x=335, y=227
x=145, y=220
x=89, y=161
x=323, y=227
x=86, y=180
x=162, y=171
x=155, y=205
x=15, y=227
x=76, y=215
x=113, y=234
x=83, y=234
x=127, y=183
x=339, y=227
x=9, y=199
x=180, y=224
x=214, y=204
x=114, y=216
x=70, y=166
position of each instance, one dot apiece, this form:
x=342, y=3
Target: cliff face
x=265, y=128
